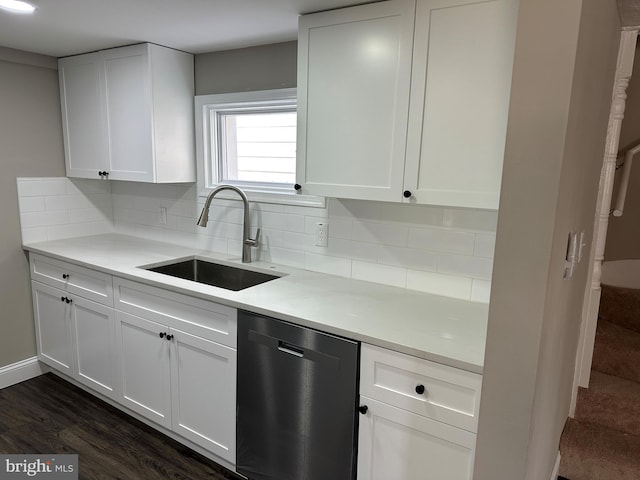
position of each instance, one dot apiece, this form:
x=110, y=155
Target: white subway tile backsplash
x=409, y=214
x=441, y=240
x=58, y=232
x=57, y=208
x=271, y=238
x=466, y=266
x=408, y=258
x=33, y=219
x=179, y=238
x=354, y=210
x=328, y=264
x=66, y=202
x=183, y=208
x=298, y=241
x=39, y=187
x=87, y=215
x=31, y=204
x=213, y=244
x=284, y=256
x=373, y=272
x=316, y=212
x=82, y=186
x=485, y=244
x=367, y=252
x=283, y=221
x=33, y=235
x=447, y=251
x=380, y=233
x=58, y=218
x=468, y=219
x=340, y=228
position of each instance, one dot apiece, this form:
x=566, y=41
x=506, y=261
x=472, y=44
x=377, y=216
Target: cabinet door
x=461, y=79
x=203, y=375
x=127, y=103
x=354, y=68
x=394, y=443
x=145, y=383
x=82, y=115
x=94, y=345
x=53, y=329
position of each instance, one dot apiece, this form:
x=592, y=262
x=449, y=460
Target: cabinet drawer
x=199, y=317
x=446, y=394
x=87, y=283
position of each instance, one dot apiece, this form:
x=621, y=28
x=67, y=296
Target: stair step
x=610, y=401
x=621, y=306
x=593, y=452
x=617, y=351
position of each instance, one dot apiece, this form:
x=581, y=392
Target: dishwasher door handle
x=284, y=347
x=329, y=361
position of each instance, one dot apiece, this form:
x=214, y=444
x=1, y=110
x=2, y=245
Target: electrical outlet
x=322, y=234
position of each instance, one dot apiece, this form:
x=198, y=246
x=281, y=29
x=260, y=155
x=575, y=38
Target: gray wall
x=558, y=117
x=246, y=69
x=30, y=146
x=623, y=235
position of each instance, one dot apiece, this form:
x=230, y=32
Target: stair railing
x=624, y=180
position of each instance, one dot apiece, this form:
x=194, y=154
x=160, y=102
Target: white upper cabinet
x=406, y=100
x=354, y=69
x=128, y=114
x=460, y=86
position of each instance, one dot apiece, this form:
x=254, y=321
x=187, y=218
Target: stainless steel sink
x=215, y=274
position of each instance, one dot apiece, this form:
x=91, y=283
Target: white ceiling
x=66, y=27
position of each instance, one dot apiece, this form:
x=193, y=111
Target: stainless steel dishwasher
x=297, y=402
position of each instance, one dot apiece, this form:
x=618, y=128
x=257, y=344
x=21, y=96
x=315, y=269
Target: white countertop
x=442, y=329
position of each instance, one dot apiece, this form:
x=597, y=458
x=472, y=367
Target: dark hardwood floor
x=49, y=415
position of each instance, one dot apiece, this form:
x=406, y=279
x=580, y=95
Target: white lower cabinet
x=181, y=381
x=94, y=345
x=395, y=443
x=76, y=336
x=53, y=327
x=418, y=418
x=203, y=393
x=145, y=382
x=168, y=357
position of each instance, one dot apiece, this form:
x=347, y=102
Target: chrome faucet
x=247, y=242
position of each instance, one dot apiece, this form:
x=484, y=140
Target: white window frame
x=206, y=107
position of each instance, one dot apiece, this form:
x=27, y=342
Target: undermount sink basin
x=215, y=274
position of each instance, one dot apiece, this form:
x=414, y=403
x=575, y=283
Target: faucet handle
x=253, y=242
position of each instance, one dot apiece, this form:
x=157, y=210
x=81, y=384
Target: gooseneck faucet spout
x=247, y=242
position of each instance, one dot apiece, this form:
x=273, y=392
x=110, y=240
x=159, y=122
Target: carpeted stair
x=602, y=442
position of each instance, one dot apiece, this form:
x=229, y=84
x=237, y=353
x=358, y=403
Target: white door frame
x=624, y=68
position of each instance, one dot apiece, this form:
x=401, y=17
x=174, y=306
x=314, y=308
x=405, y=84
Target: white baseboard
x=21, y=371
x=556, y=468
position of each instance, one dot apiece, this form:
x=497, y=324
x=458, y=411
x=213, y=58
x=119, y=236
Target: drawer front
x=76, y=280
x=199, y=317
x=440, y=392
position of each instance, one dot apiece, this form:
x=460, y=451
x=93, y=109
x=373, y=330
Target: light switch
x=571, y=260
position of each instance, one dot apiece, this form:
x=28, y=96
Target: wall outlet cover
x=322, y=234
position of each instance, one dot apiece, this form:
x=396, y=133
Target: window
x=248, y=139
